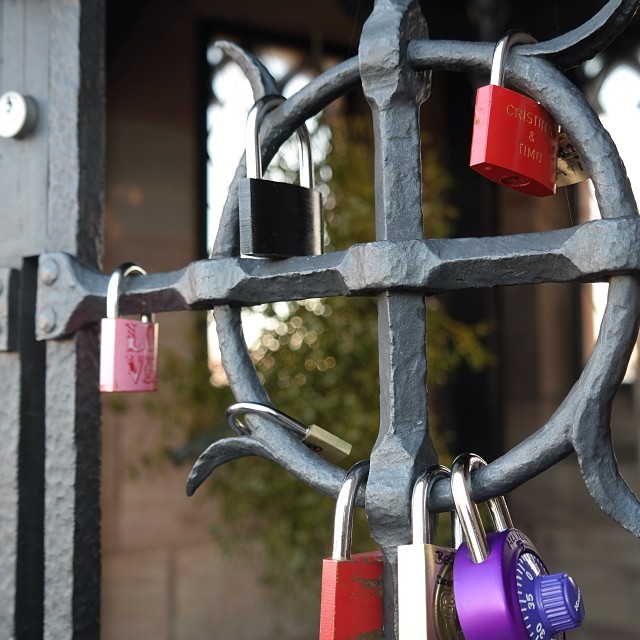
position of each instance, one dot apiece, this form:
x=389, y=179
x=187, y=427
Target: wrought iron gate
x=54, y=293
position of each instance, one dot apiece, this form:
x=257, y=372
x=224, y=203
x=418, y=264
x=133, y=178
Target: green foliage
x=318, y=361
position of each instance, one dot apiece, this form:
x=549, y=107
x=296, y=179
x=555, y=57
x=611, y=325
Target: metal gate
x=52, y=294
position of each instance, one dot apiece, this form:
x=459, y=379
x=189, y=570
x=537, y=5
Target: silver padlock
x=277, y=219
x=426, y=600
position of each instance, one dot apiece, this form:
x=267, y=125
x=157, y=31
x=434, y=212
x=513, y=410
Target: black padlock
x=277, y=219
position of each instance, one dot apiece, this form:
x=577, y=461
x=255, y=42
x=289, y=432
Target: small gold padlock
x=324, y=443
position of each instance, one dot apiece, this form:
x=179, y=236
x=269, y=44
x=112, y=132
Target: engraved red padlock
x=351, y=603
x=128, y=347
x=515, y=139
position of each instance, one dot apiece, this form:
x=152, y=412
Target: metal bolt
x=18, y=115
x=47, y=320
x=49, y=271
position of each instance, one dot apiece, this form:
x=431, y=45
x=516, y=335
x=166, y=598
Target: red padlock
x=128, y=347
x=351, y=604
x=515, y=139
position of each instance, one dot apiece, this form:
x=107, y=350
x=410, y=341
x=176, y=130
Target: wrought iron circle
x=582, y=422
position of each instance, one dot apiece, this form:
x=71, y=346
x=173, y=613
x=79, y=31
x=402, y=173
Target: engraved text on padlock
x=515, y=140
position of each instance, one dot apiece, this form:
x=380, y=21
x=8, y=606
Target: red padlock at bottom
x=515, y=139
x=128, y=347
x=351, y=603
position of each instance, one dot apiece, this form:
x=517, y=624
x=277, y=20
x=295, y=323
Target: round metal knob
x=18, y=115
x=560, y=602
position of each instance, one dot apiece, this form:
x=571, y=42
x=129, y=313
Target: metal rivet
x=18, y=115
x=49, y=271
x=47, y=320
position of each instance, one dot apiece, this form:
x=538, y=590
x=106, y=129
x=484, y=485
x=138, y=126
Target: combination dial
x=550, y=604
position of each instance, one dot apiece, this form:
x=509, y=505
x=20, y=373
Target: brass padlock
x=324, y=443
x=571, y=168
x=277, y=219
x=426, y=601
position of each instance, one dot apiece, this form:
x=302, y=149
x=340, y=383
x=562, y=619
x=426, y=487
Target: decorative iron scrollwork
x=395, y=89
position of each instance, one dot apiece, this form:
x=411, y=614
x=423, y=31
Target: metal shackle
x=238, y=409
x=467, y=510
x=423, y=522
x=113, y=289
x=502, y=49
x=253, y=154
x=345, y=507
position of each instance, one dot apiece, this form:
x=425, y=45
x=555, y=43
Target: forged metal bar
x=589, y=252
x=9, y=496
x=581, y=44
x=73, y=223
x=403, y=448
x=274, y=443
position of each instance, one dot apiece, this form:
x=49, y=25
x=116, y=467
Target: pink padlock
x=128, y=347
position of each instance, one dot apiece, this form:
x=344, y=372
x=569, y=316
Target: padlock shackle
x=253, y=153
x=238, y=409
x=502, y=49
x=467, y=510
x=115, y=283
x=345, y=507
x=423, y=522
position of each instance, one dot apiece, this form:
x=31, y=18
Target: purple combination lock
x=502, y=589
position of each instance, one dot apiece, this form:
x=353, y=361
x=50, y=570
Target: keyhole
x=8, y=105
